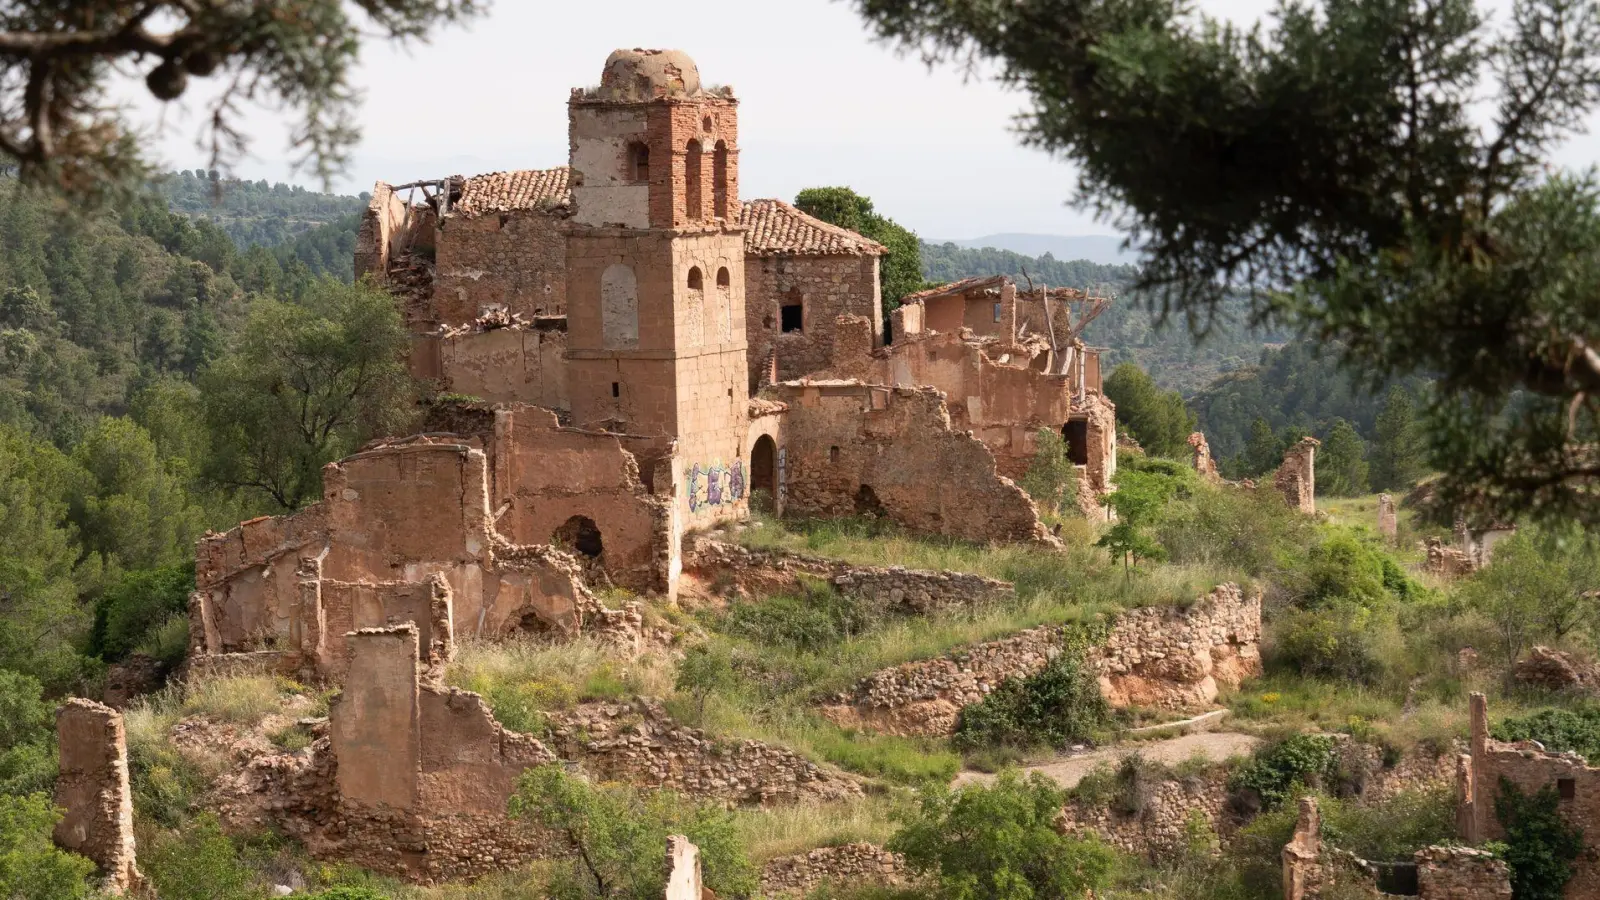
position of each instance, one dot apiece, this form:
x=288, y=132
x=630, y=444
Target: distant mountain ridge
x=1105, y=249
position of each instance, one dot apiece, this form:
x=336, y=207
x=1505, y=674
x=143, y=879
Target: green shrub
x=167, y=642
x=1052, y=479
x=349, y=893
x=1058, y=705
x=1341, y=640
x=27, y=736
x=620, y=833
x=1279, y=770
x=137, y=604
x=31, y=868
x=201, y=863
x=819, y=618
x=1000, y=843
x=1576, y=730
x=1541, y=845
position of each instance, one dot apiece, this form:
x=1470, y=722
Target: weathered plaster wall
x=383, y=232
x=93, y=794
x=1166, y=657
x=854, y=449
x=499, y=365
x=825, y=287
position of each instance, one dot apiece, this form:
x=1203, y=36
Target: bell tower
x=655, y=271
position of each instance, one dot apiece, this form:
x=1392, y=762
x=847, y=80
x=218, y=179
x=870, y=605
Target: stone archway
x=764, y=473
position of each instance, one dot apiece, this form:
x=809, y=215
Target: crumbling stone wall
x=515, y=259
x=1448, y=562
x=1302, y=856
x=859, y=450
x=398, y=513
x=722, y=567
x=683, y=870
x=1175, y=658
x=331, y=609
x=846, y=865
x=1296, y=479
x=995, y=390
x=1388, y=519
x=1531, y=768
x=1461, y=873
x=93, y=794
x=825, y=288
x=1159, y=830
x=1166, y=657
x=638, y=743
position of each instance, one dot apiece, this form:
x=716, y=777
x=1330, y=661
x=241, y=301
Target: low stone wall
x=844, y=865
x=1461, y=873
x=727, y=568
x=1167, y=657
x=638, y=743
x=1160, y=829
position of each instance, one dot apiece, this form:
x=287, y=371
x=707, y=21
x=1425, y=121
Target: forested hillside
x=255, y=213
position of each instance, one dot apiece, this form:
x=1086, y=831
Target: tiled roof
x=955, y=287
x=522, y=189
x=774, y=226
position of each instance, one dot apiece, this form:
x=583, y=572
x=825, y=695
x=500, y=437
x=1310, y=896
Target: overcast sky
x=821, y=103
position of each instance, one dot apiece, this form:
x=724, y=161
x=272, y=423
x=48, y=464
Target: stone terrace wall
x=93, y=793
x=639, y=743
x=1169, y=657
x=729, y=568
x=854, y=449
x=1160, y=829
x=1174, y=658
x=847, y=865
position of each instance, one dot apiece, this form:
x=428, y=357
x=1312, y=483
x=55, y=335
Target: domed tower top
x=634, y=76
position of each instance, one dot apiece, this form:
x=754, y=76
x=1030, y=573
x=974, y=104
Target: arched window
x=724, y=280
x=697, y=281
x=619, y=307
x=638, y=163
x=694, y=174
x=692, y=310
x=719, y=180
x=724, y=301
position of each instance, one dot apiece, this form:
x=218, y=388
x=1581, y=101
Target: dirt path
x=1069, y=770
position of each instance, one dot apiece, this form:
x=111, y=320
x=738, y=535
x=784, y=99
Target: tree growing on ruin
x=999, y=842
x=1329, y=166
x=619, y=834
x=1157, y=419
x=308, y=383
x=900, y=270
x=1052, y=479
x=62, y=124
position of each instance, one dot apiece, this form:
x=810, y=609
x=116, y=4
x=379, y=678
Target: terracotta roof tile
x=522, y=189
x=774, y=226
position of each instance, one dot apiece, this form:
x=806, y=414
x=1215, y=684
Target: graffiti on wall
x=715, y=484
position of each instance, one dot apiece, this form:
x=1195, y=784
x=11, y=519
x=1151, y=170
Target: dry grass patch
x=770, y=833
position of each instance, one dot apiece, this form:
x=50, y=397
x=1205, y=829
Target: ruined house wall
x=1296, y=479
x=826, y=287
x=551, y=474
x=342, y=607
x=516, y=259
x=1529, y=767
x=398, y=513
x=683, y=869
x=1461, y=873
x=1388, y=520
x=92, y=791
x=855, y=449
x=729, y=568
x=1204, y=465
x=384, y=231
x=500, y=365
x=991, y=390
x=1167, y=657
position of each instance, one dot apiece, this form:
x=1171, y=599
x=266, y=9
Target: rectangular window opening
x=793, y=318
x=1567, y=788
x=616, y=389
x=1076, y=434
x=997, y=312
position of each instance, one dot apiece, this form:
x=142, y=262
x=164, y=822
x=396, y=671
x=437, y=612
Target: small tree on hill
x=1397, y=450
x=1138, y=500
x=1341, y=463
x=1158, y=419
x=1052, y=479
